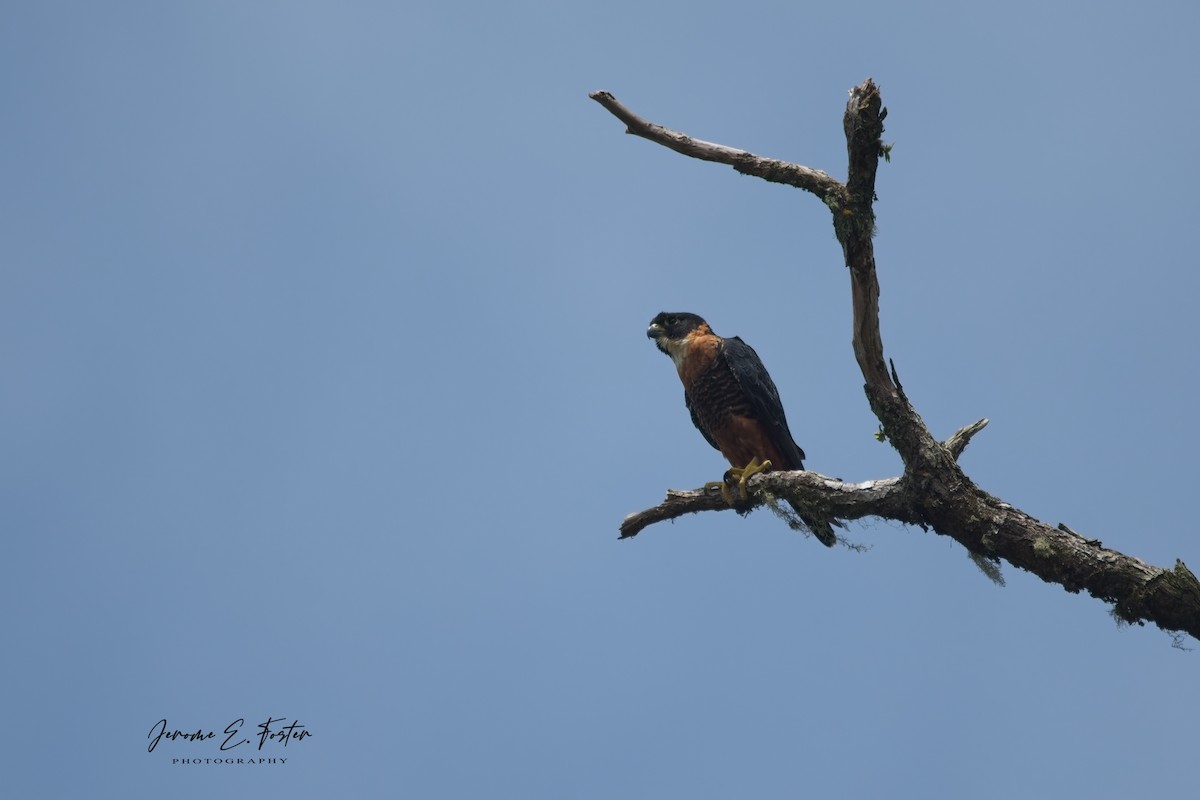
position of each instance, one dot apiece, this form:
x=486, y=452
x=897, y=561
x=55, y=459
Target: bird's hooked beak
x=658, y=333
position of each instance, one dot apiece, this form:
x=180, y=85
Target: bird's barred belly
x=716, y=397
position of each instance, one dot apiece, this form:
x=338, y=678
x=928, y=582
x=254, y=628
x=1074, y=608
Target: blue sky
x=325, y=388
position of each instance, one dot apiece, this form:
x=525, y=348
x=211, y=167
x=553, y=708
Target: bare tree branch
x=770, y=169
x=962, y=437
x=677, y=504
x=845, y=501
x=933, y=492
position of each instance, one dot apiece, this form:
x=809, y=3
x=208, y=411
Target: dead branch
x=962, y=437
x=843, y=501
x=769, y=169
x=933, y=493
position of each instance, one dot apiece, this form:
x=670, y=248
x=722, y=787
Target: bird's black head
x=672, y=327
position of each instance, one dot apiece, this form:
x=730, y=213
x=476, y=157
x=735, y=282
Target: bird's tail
x=821, y=529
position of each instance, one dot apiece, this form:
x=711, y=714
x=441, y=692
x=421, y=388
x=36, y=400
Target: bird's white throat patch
x=678, y=351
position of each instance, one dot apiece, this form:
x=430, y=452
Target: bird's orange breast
x=700, y=351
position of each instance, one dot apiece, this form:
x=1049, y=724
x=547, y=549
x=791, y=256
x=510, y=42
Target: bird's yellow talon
x=737, y=476
x=749, y=471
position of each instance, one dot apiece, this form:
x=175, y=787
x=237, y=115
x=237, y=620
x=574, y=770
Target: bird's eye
x=672, y=320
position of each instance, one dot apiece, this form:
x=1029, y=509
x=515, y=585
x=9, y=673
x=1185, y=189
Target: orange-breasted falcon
x=733, y=402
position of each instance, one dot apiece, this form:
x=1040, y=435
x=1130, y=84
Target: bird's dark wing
x=763, y=398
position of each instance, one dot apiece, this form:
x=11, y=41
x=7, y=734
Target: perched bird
x=733, y=402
